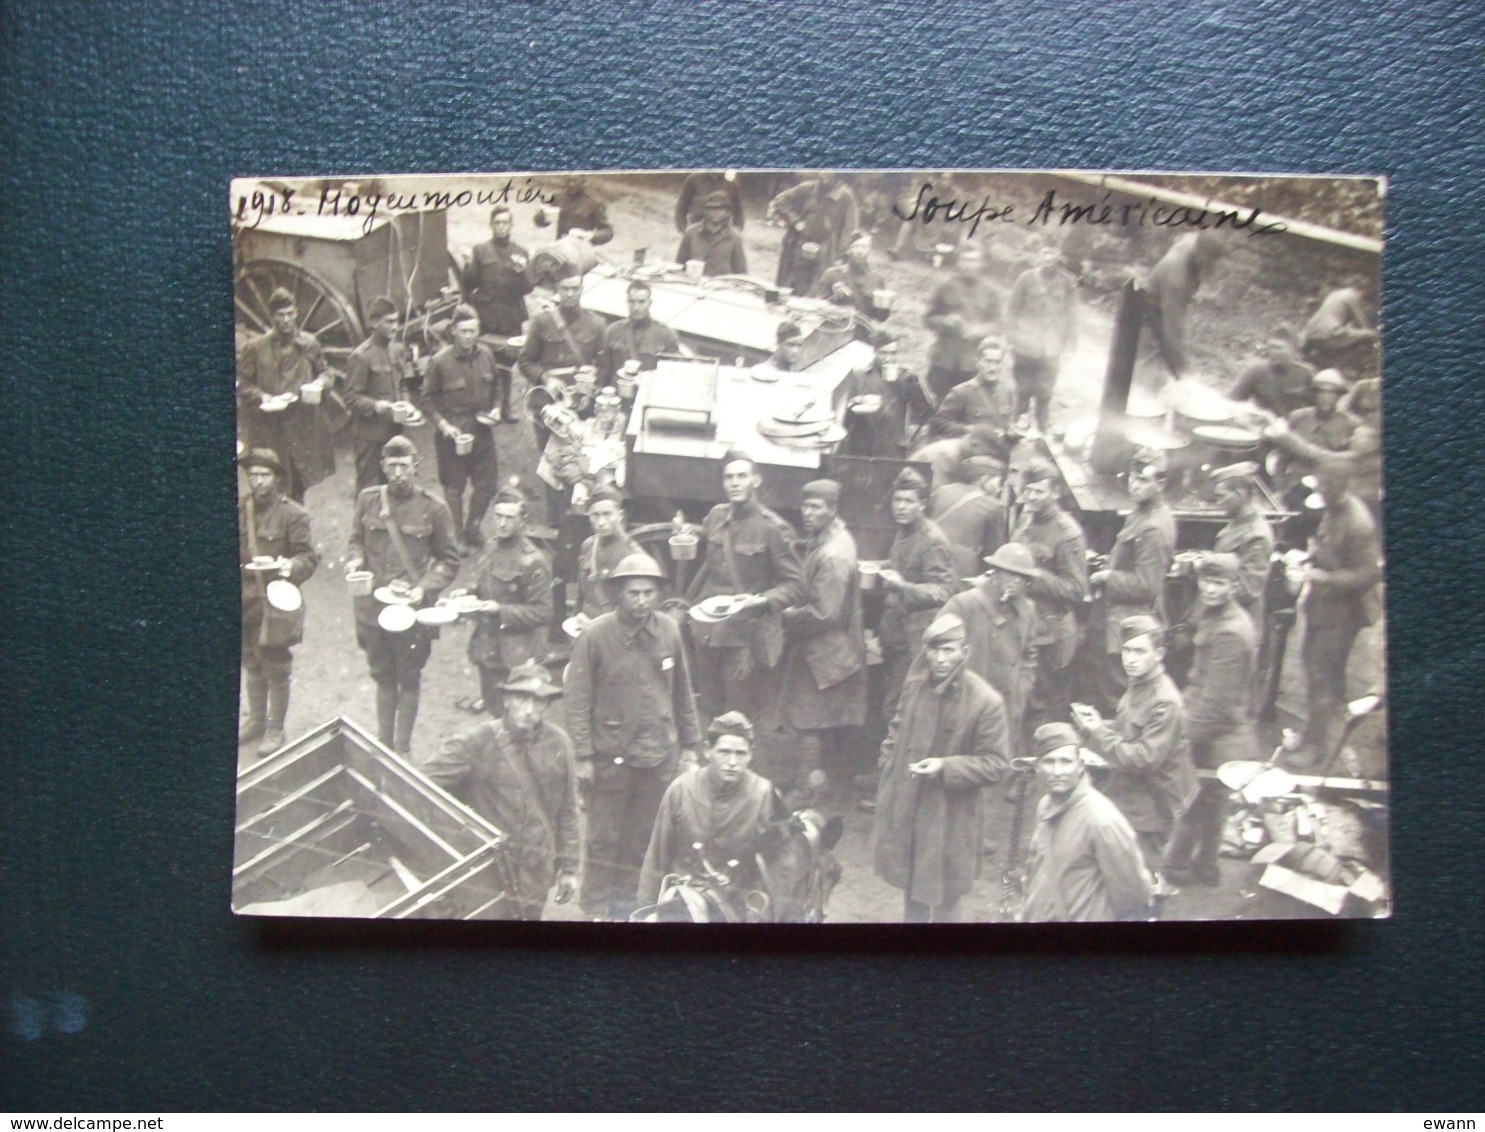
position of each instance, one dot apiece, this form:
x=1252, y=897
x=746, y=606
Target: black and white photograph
x=810, y=546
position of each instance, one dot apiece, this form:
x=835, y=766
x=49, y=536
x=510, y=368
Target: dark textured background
x=118, y=630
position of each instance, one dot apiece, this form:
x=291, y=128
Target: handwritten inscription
x=259, y=205
x=1103, y=211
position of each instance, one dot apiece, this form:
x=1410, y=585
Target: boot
x=278, y=707
x=257, y=709
x=407, y=714
x=386, y=713
x=455, y=500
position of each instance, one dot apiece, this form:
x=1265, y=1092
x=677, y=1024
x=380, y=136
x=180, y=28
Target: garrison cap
x=261, y=458
x=826, y=491
x=1038, y=471
x=510, y=493
x=1051, y=737
x=1142, y=625
x=280, y=300
x=946, y=627
x=605, y=493
x=978, y=467
x=731, y=723
x=716, y=199
x=1148, y=459
x=733, y=455
x=379, y=308
x=1330, y=379
x=1228, y=567
x=399, y=446
x=1245, y=471
x=531, y=679
x=910, y=479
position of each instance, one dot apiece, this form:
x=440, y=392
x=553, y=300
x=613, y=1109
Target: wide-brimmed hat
x=1014, y=558
x=531, y=680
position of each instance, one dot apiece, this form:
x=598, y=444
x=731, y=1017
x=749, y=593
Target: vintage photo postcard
x=810, y=547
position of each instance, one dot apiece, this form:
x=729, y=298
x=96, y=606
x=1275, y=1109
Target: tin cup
x=869, y=573
x=695, y=268
x=682, y=547
x=883, y=297
x=891, y=371
x=311, y=391
x=402, y=411
x=359, y=582
x=627, y=386
x=809, y=250
x=464, y=444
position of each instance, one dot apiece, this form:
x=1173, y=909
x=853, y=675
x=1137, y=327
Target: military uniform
x=595, y=561
x=973, y=404
x=299, y=434
x=642, y=341
x=373, y=374
x=863, y=284
x=581, y=210
x=690, y=205
x=518, y=575
x=1057, y=543
x=1310, y=438
x=455, y=388
x=1000, y=635
x=953, y=359
x=973, y=522
x=396, y=660
x=1041, y=316
x=1142, y=554
x=749, y=550
x=1251, y=538
x=826, y=220
x=922, y=555
x=721, y=251
x=557, y=339
x=496, y=283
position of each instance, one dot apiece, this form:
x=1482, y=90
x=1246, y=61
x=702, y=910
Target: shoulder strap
x=527, y=783
x=396, y=532
x=561, y=324
x=958, y=503
x=252, y=526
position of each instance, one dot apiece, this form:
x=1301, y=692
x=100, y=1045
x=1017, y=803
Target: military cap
x=605, y=493
x=1051, y=737
x=733, y=455
x=788, y=331
x=261, y=458
x=280, y=300
x=716, y=199
x=945, y=627
x=730, y=723
x=1245, y=471
x=464, y=313
x=859, y=235
x=1038, y=471
x=379, y=308
x=510, y=493
x=1142, y=625
x=910, y=479
x=1330, y=379
x=826, y=491
x=1016, y=558
x=531, y=679
x=978, y=467
x=637, y=565
x=399, y=446
x=1148, y=459
x=1228, y=567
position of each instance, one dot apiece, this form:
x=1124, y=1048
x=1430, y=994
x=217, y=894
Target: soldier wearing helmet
x=631, y=716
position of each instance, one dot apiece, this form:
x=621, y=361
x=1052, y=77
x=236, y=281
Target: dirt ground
x=1229, y=318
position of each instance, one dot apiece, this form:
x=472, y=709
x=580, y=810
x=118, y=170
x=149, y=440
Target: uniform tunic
x=696, y=188
x=1085, y=862
x=581, y=210
x=299, y=434
x=973, y=404
x=927, y=835
x=728, y=823
x=518, y=576
x=1138, y=563
x=497, y=281
x=1251, y=538
x=762, y=561
x=824, y=668
x=479, y=766
x=558, y=339
x=283, y=531
x=1060, y=549
x=1000, y=637
x=828, y=219
x=960, y=303
x=921, y=554
x=1281, y=387
x=596, y=560
x=1219, y=695
x=721, y=252
x=642, y=341
x=1151, y=778
x=372, y=375
x=1310, y=438
x=973, y=522
x=863, y=283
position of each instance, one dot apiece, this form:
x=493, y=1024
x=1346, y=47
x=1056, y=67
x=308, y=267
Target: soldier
x=852, y=283
x=605, y=548
x=947, y=741
x=560, y=339
x=964, y=309
x=514, y=581
x=496, y=280
x=517, y=773
x=633, y=723
x=404, y=535
x=373, y=381
x=1280, y=383
x=700, y=190
x=1041, y=318
x=1000, y=624
x=1169, y=292
x=1060, y=585
x=1339, y=332
x=1085, y=862
x=1219, y=709
x=1309, y=435
x=970, y=513
x=984, y=402
x=285, y=360
x=1134, y=580
x=712, y=240
x=581, y=214
x=748, y=550
x=919, y=577
x=819, y=214
x=1151, y=778
x=1246, y=534
x=823, y=685
x=269, y=526
x=638, y=338
x=460, y=383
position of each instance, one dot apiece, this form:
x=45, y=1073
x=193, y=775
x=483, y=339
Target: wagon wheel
x=323, y=314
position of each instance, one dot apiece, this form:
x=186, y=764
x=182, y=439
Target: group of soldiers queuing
x=994, y=639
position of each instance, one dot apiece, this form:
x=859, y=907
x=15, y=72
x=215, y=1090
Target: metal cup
x=311, y=392
x=869, y=572
x=890, y=372
x=359, y=582
x=464, y=444
x=683, y=547
x=695, y=268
